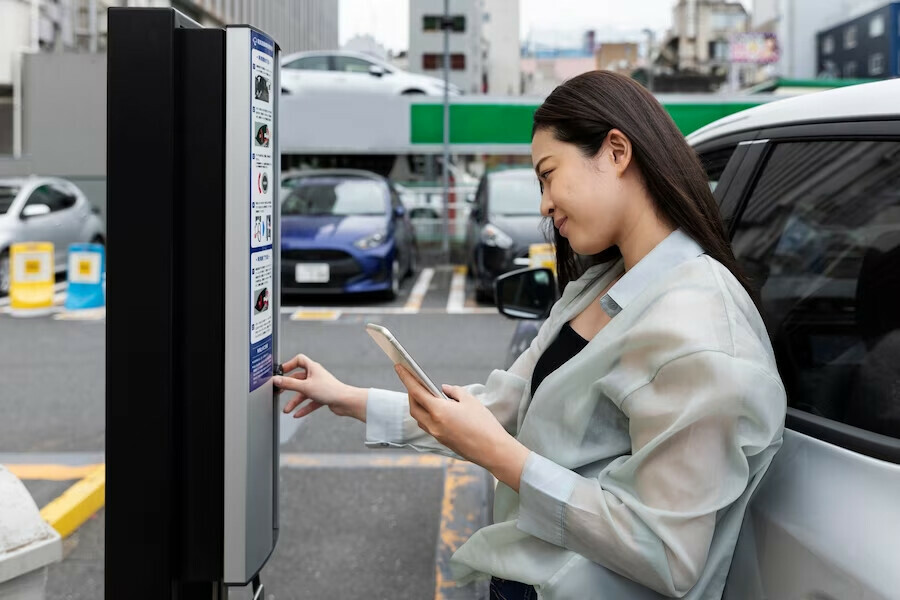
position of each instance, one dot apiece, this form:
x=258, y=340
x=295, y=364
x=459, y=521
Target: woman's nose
x=546, y=205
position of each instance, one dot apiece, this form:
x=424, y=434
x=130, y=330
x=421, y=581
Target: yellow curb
x=316, y=315
x=51, y=472
x=455, y=528
x=76, y=505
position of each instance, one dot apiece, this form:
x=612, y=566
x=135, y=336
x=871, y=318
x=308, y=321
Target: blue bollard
x=87, y=267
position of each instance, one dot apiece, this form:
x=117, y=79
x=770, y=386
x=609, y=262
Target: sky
x=388, y=20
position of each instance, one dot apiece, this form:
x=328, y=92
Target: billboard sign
x=754, y=48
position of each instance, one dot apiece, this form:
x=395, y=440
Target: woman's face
x=585, y=197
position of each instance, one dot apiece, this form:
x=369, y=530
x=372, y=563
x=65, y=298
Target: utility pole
x=446, y=25
x=651, y=37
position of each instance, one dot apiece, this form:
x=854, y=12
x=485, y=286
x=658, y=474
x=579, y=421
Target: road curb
x=78, y=503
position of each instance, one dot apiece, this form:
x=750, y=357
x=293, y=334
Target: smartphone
x=399, y=356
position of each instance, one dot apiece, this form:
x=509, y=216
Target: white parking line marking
x=457, y=298
x=417, y=294
x=85, y=314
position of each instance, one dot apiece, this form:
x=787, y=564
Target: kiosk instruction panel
x=262, y=190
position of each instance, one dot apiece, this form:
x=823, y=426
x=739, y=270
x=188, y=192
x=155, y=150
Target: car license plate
x=312, y=273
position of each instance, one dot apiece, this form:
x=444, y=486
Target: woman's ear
x=620, y=150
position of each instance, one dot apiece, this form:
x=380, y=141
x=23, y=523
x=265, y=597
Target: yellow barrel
x=32, y=278
x=542, y=255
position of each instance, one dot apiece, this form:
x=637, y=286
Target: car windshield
x=337, y=196
x=7, y=195
x=514, y=194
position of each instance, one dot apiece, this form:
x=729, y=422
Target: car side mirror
x=526, y=293
x=399, y=211
x=470, y=198
x=35, y=210
x=376, y=71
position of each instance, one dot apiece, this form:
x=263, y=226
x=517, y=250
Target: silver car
x=44, y=209
x=808, y=188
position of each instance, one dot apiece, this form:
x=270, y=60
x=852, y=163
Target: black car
x=505, y=220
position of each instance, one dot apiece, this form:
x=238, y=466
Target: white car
x=808, y=189
x=44, y=209
x=309, y=72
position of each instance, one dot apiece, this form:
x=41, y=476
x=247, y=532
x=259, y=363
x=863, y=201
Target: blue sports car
x=344, y=231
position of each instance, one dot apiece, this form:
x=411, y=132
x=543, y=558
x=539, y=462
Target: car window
x=51, y=196
x=714, y=163
x=7, y=196
x=820, y=240
x=351, y=64
x=309, y=63
x=69, y=196
x=514, y=193
x=335, y=196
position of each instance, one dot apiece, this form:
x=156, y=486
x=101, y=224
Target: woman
x=629, y=436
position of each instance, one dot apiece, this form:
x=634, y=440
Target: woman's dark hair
x=582, y=112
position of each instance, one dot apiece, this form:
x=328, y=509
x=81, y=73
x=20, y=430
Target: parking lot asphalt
x=355, y=523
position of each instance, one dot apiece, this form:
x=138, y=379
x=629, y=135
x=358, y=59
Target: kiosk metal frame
x=191, y=417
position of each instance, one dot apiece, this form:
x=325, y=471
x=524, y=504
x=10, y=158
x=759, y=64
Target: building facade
x=467, y=50
x=867, y=46
x=500, y=30
x=796, y=24
x=72, y=27
x=622, y=57
x=700, y=35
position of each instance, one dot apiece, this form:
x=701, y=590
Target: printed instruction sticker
x=262, y=276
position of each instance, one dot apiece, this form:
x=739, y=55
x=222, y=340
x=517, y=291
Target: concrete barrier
x=27, y=543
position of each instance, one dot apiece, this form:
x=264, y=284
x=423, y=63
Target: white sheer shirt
x=646, y=445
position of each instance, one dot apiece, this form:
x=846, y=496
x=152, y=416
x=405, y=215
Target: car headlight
x=492, y=235
x=371, y=241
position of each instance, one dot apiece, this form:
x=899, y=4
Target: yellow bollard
x=542, y=255
x=32, y=278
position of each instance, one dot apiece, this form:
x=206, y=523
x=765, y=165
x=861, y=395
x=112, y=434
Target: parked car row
x=47, y=209
x=808, y=190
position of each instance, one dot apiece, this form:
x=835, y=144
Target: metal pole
x=650, y=41
x=445, y=25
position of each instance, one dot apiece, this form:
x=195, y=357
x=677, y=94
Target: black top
x=566, y=345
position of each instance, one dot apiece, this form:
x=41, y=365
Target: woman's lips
x=562, y=227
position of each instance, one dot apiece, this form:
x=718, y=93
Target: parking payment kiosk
x=192, y=306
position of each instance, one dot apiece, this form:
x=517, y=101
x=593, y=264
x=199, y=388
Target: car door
x=353, y=75
x=817, y=229
x=308, y=74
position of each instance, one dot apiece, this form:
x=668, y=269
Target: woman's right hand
x=314, y=382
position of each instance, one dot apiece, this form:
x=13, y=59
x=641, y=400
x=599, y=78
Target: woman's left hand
x=465, y=427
